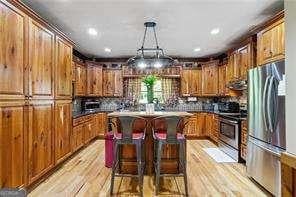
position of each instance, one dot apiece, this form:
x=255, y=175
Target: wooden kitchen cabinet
x=222, y=87
x=196, y=126
x=40, y=138
x=100, y=124
x=12, y=56
x=80, y=83
x=63, y=129
x=185, y=82
x=245, y=60
x=89, y=130
x=191, y=82
x=210, y=78
x=77, y=137
x=41, y=61
x=63, y=69
x=112, y=82
x=94, y=85
x=244, y=139
x=271, y=42
x=13, y=163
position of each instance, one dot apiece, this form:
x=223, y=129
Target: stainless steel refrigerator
x=266, y=124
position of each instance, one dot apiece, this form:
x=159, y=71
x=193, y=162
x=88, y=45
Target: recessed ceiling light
x=197, y=49
x=215, y=31
x=92, y=31
x=108, y=50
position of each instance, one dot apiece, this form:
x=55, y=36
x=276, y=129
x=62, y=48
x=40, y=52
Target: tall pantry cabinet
x=35, y=95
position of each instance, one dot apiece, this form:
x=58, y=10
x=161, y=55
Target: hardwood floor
x=86, y=175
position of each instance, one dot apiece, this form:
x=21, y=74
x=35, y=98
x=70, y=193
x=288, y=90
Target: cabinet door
x=73, y=71
x=63, y=78
x=63, y=128
x=118, y=83
x=80, y=84
x=209, y=125
x=98, y=81
x=229, y=69
x=100, y=125
x=77, y=137
x=108, y=82
x=200, y=125
x=12, y=57
x=222, y=80
x=190, y=128
x=245, y=60
x=12, y=144
x=196, y=82
x=89, y=131
x=41, y=61
x=185, y=80
x=236, y=65
x=209, y=79
x=40, y=138
x=90, y=80
x=278, y=41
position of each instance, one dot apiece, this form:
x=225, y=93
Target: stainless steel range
x=229, y=136
x=230, y=132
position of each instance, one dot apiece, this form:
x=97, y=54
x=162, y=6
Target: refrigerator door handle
x=272, y=103
x=264, y=103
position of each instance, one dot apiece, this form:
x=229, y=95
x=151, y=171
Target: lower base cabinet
x=40, y=138
x=12, y=144
x=63, y=129
x=77, y=138
x=202, y=125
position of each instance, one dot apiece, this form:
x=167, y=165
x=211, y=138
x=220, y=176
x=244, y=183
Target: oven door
x=229, y=132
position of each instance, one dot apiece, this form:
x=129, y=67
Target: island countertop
x=154, y=114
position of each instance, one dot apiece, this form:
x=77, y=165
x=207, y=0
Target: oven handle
x=229, y=121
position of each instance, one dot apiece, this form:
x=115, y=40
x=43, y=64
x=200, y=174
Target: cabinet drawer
x=78, y=121
x=243, y=151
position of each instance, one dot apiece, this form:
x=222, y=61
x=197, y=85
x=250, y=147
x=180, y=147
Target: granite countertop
x=144, y=114
x=78, y=114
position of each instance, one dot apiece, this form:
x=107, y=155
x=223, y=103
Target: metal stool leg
x=139, y=163
x=158, y=160
x=184, y=162
x=114, y=165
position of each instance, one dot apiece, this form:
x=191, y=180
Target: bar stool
x=128, y=136
x=169, y=136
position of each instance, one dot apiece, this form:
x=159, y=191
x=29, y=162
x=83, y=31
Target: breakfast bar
x=170, y=152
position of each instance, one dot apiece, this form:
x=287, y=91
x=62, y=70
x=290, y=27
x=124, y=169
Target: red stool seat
x=163, y=136
x=135, y=136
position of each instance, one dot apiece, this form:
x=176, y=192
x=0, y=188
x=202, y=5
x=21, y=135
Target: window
x=157, y=92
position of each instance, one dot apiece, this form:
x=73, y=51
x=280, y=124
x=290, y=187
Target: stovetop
x=235, y=116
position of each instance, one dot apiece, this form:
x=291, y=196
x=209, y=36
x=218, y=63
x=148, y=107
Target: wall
x=290, y=14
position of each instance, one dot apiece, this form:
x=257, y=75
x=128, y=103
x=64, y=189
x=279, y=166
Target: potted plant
x=149, y=82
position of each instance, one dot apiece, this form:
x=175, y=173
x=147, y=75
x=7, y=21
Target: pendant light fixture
x=150, y=57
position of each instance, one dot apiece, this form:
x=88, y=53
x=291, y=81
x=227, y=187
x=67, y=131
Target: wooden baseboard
x=288, y=174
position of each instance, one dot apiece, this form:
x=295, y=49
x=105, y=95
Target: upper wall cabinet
x=41, y=61
x=240, y=61
x=191, y=82
x=94, y=80
x=63, y=77
x=271, y=43
x=80, y=79
x=112, y=82
x=12, y=55
x=210, y=78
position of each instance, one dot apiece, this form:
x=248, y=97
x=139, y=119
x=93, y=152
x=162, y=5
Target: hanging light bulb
x=157, y=64
x=142, y=64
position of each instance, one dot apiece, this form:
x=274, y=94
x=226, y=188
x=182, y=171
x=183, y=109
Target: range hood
x=238, y=85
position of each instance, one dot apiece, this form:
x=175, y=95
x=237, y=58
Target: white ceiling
x=182, y=25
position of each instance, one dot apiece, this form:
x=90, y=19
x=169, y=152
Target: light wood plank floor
x=86, y=175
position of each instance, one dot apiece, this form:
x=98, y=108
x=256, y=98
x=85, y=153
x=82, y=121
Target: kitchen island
x=170, y=152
